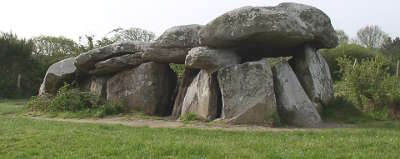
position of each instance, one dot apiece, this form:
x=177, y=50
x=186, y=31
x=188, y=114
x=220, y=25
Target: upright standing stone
x=148, y=88
x=188, y=76
x=202, y=96
x=294, y=105
x=248, y=95
x=313, y=73
x=98, y=87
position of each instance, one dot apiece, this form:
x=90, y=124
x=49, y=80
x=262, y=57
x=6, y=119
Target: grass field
x=22, y=137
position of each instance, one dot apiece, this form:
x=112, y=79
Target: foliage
x=352, y=51
x=121, y=34
x=16, y=63
x=67, y=99
x=371, y=36
x=189, y=117
x=110, y=108
x=341, y=109
x=50, y=49
x=342, y=36
x=72, y=99
x=179, y=69
x=391, y=49
x=369, y=84
x=39, y=103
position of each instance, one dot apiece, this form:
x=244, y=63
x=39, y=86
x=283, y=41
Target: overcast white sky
x=72, y=18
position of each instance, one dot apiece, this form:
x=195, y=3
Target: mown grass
x=22, y=137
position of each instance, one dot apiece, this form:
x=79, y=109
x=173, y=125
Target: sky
x=74, y=18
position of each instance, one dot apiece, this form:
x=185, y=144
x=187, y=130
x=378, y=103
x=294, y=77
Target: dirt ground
x=167, y=123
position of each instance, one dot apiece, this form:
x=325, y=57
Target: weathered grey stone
x=248, y=93
x=313, y=73
x=294, y=105
x=117, y=64
x=278, y=29
x=210, y=59
x=57, y=74
x=148, y=88
x=98, y=87
x=86, y=61
x=166, y=55
x=173, y=45
x=188, y=76
x=184, y=36
x=202, y=96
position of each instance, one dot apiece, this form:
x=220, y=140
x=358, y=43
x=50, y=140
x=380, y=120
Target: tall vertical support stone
x=313, y=72
x=248, y=95
x=202, y=96
x=188, y=76
x=148, y=88
x=293, y=103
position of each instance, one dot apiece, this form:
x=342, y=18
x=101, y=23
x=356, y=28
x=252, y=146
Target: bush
x=341, y=109
x=67, y=99
x=110, y=108
x=369, y=85
x=72, y=99
x=352, y=51
x=39, y=103
x=189, y=117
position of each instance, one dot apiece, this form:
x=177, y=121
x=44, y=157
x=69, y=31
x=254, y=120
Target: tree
x=371, y=36
x=17, y=68
x=342, y=36
x=50, y=49
x=121, y=34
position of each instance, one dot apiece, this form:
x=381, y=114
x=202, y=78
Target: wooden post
x=19, y=81
x=397, y=69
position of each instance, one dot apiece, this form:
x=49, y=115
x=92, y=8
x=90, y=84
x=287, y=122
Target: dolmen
x=234, y=70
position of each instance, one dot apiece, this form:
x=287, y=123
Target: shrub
x=369, y=84
x=72, y=99
x=39, y=103
x=110, y=108
x=189, y=117
x=352, y=51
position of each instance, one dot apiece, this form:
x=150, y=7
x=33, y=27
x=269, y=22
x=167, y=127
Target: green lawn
x=21, y=137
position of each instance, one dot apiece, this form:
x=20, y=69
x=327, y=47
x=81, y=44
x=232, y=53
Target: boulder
x=57, y=74
x=173, y=45
x=166, y=55
x=293, y=103
x=210, y=59
x=202, y=96
x=86, y=61
x=248, y=95
x=148, y=88
x=188, y=76
x=117, y=64
x=270, y=31
x=185, y=36
x=313, y=73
